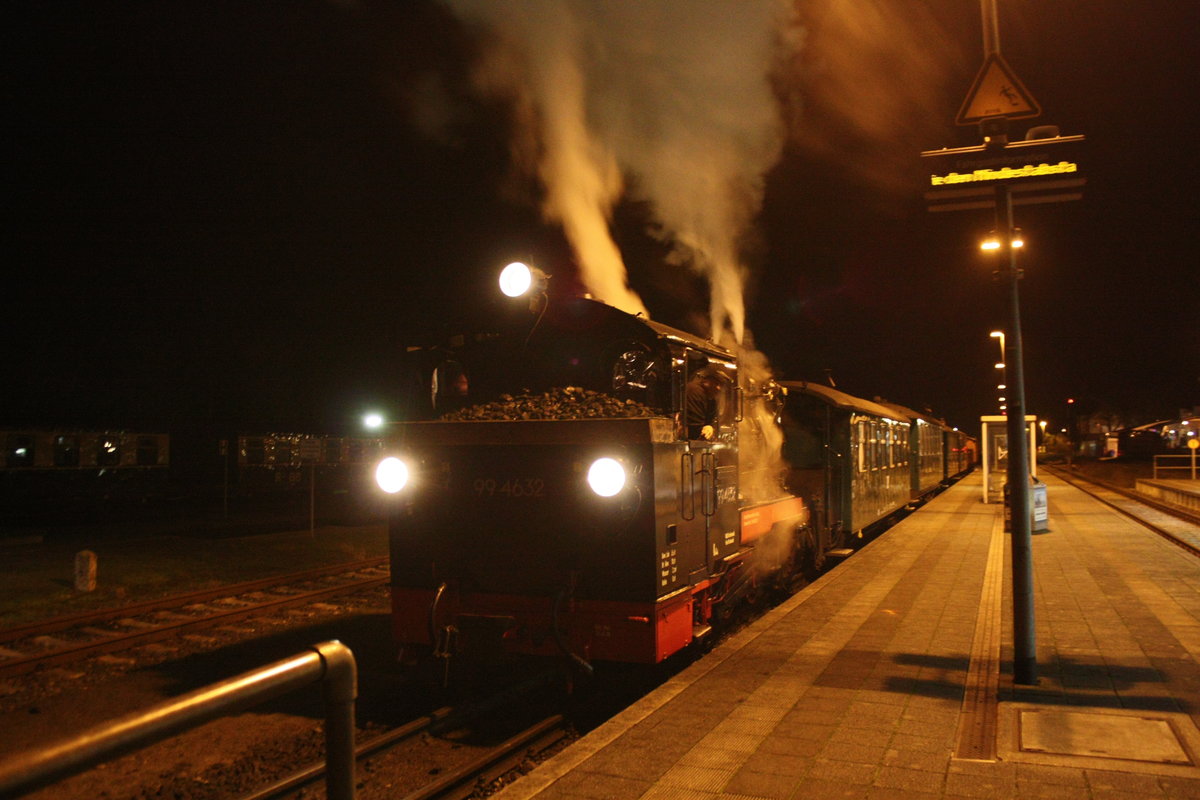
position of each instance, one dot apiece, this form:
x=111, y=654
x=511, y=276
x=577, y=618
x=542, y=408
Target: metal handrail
x=1188, y=459
x=330, y=663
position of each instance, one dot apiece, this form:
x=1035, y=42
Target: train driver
x=701, y=404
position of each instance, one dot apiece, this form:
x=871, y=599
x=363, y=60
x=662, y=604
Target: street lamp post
x=1024, y=645
x=1003, y=384
x=1006, y=241
x=1000, y=365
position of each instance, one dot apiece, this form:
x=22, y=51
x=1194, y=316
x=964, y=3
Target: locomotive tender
x=600, y=524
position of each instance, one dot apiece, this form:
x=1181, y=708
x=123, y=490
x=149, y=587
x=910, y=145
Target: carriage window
x=147, y=451
x=19, y=451
x=66, y=451
x=284, y=452
x=254, y=450
x=860, y=440
x=108, y=451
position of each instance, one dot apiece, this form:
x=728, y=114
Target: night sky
x=239, y=214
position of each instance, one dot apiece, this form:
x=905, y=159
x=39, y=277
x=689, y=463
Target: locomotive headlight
x=606, y=476
x=391, y=475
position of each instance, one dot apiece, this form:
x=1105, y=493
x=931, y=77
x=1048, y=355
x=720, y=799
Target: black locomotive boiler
x=606, y=487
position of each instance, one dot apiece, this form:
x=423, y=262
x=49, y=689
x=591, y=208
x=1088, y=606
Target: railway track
x=1174, y=524
x=65, y=639
x=489, y=766
x=467, y=779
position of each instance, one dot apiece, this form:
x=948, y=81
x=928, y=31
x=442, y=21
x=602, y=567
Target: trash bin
x=1038, y=509
x=1041, y=514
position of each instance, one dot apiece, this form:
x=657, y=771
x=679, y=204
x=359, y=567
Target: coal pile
x=571, y=402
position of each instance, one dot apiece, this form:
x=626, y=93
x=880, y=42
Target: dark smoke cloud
x=872, y=84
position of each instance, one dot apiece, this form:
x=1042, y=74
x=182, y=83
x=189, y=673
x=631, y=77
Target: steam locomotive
x=565, y=503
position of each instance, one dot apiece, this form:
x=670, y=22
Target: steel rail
x=436, y=722
x=124, y=641
x=466, y=774
x=65, y=622
x=314, y=773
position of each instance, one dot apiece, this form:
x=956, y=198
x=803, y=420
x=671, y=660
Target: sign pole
x=1024, y=640
x=991, y=27
x=998, y=174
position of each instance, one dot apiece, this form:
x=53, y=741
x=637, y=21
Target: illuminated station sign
x=1043, y=168
x=1034, y=171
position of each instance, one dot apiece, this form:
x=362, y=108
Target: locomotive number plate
x=510, y=487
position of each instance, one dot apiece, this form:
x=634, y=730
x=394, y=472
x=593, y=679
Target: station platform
x=890, y=676
x=1182, y=493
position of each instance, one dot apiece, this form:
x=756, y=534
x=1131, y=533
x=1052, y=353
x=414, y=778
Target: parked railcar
x=850, y=456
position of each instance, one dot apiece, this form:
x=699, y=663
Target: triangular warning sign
x=997, y=92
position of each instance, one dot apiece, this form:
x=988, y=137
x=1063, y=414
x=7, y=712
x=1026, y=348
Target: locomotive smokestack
x=675, y=95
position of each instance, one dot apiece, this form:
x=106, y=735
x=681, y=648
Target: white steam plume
x=675, y=94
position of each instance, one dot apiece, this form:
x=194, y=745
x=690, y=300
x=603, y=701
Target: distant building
x=1163, y=436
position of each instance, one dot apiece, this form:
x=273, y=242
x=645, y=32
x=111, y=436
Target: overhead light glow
x=515, y=279
x=373, y=420
x=993, y=243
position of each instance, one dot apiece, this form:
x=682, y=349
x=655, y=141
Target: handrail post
x=340, y=688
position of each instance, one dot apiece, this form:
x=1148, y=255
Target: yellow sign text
x=1004, y=173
